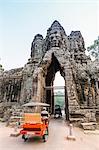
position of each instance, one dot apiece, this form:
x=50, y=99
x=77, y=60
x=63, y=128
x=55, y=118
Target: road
x=56, y=141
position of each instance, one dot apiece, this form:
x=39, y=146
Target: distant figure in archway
x=58, y=112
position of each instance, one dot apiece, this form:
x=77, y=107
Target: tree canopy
x=93, y=50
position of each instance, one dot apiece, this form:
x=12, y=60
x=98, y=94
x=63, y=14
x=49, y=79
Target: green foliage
x=94, y=49
x=1, y=68
x=59, y=99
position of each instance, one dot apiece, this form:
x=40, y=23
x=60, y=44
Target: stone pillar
x=52, y=100
x=97, y=86
x=97, y=89
x=71, y=91
x=86, y=92
x=40, y=85
x=90, y=98
x=66, y=105
x=35, y=83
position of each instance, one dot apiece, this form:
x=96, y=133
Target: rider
x=45, y=114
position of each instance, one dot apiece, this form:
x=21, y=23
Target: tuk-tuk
x=33, y=124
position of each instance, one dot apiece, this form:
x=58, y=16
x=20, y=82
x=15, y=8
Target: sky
x=59, y=81
x=21, y=20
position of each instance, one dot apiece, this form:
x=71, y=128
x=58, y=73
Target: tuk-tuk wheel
x=24, y=138
x=44, y=138
x=47, y=131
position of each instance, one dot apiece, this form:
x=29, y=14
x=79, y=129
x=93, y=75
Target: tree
x=93, y=50
x=1, y=69
x=59, y=99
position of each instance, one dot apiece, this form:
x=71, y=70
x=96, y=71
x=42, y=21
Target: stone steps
x=15, y=119
x=95, y=132
x=89, y=126
x=76, y=121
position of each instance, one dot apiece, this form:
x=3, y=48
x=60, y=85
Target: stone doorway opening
x=59, y=92
x=52, y=69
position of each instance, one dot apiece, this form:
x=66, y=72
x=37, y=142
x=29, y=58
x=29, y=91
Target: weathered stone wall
x=10, y=85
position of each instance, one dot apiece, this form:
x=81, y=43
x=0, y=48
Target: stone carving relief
x=10, y=90
x=56, y=37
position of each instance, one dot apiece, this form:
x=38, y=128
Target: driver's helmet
x=44, y=108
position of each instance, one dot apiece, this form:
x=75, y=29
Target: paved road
x=56, y=141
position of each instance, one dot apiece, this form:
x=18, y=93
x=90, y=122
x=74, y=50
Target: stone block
x=15, y=134
x=89, y=126
x=71, y=137
x=95, y=132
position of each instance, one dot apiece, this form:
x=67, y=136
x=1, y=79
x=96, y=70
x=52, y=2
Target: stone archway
x=49, y=79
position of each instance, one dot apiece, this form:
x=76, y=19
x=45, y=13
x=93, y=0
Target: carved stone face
x=55, y=39
x=38, y=46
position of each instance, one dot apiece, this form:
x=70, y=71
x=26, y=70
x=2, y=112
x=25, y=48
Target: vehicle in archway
x=57, y=112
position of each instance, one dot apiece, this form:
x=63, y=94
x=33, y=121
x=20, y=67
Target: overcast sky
x=20, y=20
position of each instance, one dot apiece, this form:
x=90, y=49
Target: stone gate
x=57, y=52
